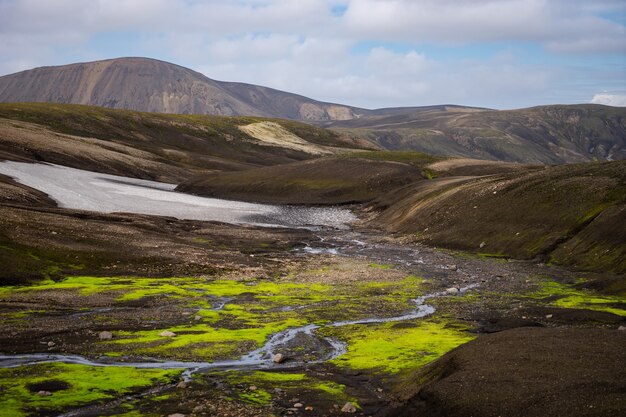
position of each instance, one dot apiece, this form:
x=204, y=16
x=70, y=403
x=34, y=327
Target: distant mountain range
x=547, y=134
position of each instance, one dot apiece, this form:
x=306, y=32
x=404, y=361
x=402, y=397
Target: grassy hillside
x=546, y=134
x=570, y=214
x=148, y=145
x=347, y=178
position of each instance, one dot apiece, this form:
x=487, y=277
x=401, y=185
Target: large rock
x=105, y=335
x=348, y=408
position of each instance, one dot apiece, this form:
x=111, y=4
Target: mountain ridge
x=91, y=83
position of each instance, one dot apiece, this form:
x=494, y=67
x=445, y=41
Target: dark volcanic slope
x=155, y=86
x=546, y=134
x=348, y=178
x=525, y=372
x=572, y=214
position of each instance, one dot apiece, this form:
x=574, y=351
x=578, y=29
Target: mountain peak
x=146, y=84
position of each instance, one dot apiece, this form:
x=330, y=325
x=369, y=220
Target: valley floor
x=151, y=316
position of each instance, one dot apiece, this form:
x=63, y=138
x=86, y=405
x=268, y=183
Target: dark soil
x=524, y=372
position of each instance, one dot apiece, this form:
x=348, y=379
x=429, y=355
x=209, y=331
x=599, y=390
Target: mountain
x=545, y=134
x=155, y=86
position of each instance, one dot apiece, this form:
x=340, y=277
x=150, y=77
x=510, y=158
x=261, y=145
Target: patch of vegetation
x=389, y=348
x=292, y=383
x=70, y=386
x=568, y=296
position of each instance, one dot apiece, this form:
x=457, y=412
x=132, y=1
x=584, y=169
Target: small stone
x=621, y=328
x=452, y=267
x=379, y=389
x=253, y=388
x=181, y=385
x=167, y=333
x=176, y=415
x=482, y=245
x=278, y=358
x=51, y=343
x=44, y=393
x=105, y=335
x=198, y=408
x=348, y=408
x=308, y=408
x=452, y=290
x=197, y=317
x=548, y=316
x=298, y=405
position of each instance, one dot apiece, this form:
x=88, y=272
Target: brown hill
x=546, y=134
x=155, y=86
x=164, y=147
x=572, y=214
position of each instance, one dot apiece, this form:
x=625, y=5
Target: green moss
x=380, y=266
x=567, y=296
x=390, y=348
x=257, y=397
x=84, y=385
x=295, y=383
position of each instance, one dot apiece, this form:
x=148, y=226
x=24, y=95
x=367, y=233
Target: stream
x=256, y=359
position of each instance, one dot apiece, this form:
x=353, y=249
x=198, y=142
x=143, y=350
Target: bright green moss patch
x=70, y=385
x=291, y=382
x=395, y=347
x=380, y=266
x=567, y=296
x=200, y=341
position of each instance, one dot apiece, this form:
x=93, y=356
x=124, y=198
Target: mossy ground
x=221, y=319
x=390, y=348
x=265, y=385
x=569, y=296
x=70, y=386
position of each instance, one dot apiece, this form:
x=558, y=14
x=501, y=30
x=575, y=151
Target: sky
x=499, y=54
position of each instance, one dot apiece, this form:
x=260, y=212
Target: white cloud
x=617, y=100
x=375, y=53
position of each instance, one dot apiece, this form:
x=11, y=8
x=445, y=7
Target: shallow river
x=85, y=190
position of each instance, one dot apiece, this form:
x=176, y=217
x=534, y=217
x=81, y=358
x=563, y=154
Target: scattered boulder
x=197, y=317
x=452, y=267
x=105, y=335
x=621, y=328
x=278, y=358
x=176, y=415
x=51, y=344
x=298, y=405
x=348, y=408
x=253, y=388
x=482, y=245
x=167, y=333
x=452, y=290
x=44, y=393
x=181, y=385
